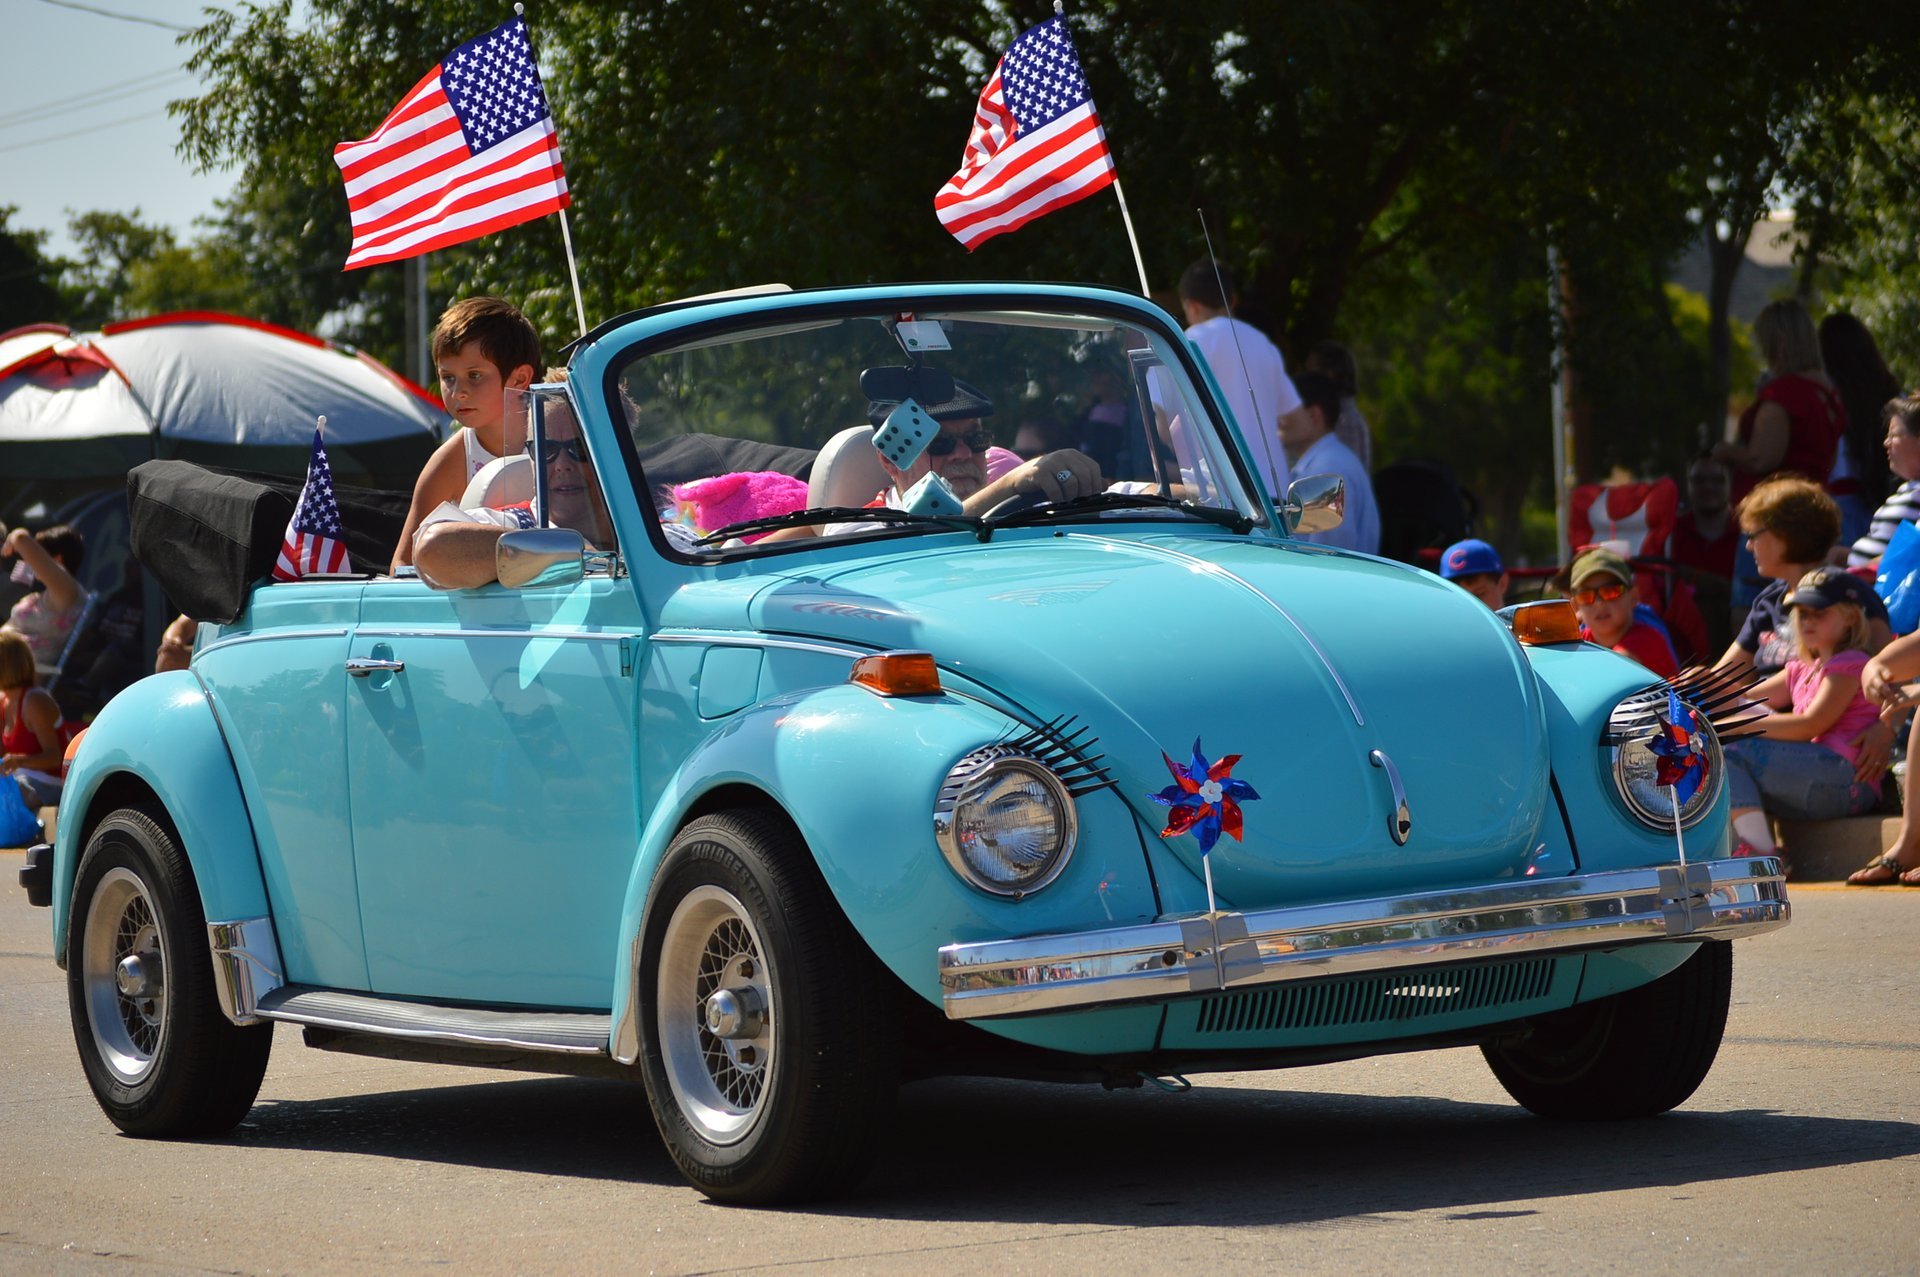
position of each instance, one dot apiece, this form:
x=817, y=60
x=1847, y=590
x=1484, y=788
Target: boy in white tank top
x=482, y=348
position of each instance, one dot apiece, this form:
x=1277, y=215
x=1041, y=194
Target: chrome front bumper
x=1200, y=953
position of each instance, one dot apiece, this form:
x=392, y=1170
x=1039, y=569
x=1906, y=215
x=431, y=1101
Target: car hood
x=1300, y=660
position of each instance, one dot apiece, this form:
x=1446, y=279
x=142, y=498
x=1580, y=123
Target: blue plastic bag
x=1898, y=582
x=18, y=826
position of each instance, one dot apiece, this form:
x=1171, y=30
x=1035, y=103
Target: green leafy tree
x=111, y=247
x=29, y=278
x=1370, y=164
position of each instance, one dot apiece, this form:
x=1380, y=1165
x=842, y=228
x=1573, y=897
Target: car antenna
x=1266, y=443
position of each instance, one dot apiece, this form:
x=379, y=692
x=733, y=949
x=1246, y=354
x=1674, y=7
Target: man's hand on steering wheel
x=1058, y=476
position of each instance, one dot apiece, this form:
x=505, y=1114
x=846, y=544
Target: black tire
x=1631, y=1055
x=791, y=1106
x=161, y=1058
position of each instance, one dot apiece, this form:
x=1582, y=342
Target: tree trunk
x=1724, y=259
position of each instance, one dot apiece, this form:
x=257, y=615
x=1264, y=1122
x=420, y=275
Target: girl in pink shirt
x=1801, y=766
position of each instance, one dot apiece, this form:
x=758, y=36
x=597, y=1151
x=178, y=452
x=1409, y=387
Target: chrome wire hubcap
x=124, y=977
x=716, y=1014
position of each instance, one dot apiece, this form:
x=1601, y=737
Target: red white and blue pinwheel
x=1681, y=754
x=1204, y=799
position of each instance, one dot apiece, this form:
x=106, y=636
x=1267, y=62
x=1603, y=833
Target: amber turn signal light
x=66, y=759
x=898, y=673
x=1554, y=621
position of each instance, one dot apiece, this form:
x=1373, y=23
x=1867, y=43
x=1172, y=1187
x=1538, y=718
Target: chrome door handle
x=1400, y=821
x=361, y=666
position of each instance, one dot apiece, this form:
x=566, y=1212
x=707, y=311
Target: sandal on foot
x=1891, y=869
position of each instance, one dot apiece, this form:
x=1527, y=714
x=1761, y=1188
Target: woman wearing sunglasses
x=1604, y=596
x=1791, y=526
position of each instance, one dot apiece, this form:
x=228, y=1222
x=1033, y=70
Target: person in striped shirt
x=1901, y=417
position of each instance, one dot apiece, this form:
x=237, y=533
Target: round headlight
x=1637, y=765
x=1004, y=821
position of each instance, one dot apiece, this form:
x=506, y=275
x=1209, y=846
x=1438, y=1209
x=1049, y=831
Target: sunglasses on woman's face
x=1605, y=593
x=575, y=448
x=978, y=439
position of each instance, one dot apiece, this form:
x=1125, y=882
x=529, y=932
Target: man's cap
x=1600, y=561
x=1470, y=557
x=1824, y=587
x=967, y=401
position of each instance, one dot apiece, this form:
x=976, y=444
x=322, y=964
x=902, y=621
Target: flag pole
x=1126, y=218
x=579, y=308
x=566, y=234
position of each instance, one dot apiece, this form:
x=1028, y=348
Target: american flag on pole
x=469, y=151
x=316, y=540
x=1037, y=144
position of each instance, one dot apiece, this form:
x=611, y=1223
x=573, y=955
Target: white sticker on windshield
x=921, y=334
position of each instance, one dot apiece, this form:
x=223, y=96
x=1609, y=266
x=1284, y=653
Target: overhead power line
x=87, y=101
x=122, y=17
x=64, y=134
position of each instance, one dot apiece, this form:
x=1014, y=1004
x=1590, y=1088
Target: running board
x=556, y=1032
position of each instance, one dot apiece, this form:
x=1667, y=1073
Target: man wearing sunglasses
x=958, y=454
x=1603, y=595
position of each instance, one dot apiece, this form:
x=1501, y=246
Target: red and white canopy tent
x=209, y=387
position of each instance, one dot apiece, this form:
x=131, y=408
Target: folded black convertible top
x=207, y=534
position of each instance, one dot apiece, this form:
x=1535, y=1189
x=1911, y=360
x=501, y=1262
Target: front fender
x=1582, y=683
x=161, y=733
x=858, y=775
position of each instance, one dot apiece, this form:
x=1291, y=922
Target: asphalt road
x=1800, y=1153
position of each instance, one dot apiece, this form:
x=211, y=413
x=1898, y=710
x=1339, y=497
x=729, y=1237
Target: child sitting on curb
x=1801, y=766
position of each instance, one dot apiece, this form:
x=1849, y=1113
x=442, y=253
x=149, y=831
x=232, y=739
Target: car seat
x=847, y=472
x=503, y=481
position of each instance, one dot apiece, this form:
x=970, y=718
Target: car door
x=490, y=756
x=276, y=681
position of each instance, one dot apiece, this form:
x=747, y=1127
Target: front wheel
x=160, y=1056
x=1630, y=1055
x=769, y=1065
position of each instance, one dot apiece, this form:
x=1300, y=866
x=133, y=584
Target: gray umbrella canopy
x=203, y=386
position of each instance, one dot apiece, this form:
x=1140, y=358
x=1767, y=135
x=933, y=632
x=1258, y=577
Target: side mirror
x=540, y=556
x=1315, y=503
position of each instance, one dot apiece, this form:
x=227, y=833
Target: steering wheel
x=1019, y=501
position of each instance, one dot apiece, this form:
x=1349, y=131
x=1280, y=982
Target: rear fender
x=159, y=738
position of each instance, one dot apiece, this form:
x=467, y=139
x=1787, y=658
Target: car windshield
x=767, y=427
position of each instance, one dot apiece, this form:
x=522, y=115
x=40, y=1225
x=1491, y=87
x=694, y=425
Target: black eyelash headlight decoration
x=1066, y=749
x=1668, y=764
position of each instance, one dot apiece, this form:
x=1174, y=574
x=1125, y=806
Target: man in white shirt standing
x=1313, y=448
x=1250, y=369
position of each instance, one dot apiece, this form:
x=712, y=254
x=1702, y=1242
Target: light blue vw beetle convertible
x=879, y=760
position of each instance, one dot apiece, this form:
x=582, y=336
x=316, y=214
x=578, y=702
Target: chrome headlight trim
x=1631, y=730
x=972, y=779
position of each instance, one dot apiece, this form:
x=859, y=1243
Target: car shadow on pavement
x=981, y=1150
x=974, y=1150
x=591, y=1128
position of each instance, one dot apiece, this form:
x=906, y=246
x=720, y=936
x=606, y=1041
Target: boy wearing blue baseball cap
x=1475, y=567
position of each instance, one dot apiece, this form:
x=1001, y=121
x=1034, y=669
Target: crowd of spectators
x=1796, y=532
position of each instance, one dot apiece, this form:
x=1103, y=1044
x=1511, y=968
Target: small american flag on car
x=1036, y=145
x=316, y=539
x=470, y=150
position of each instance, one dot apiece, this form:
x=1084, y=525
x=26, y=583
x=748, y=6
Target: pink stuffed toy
x=726, y=499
